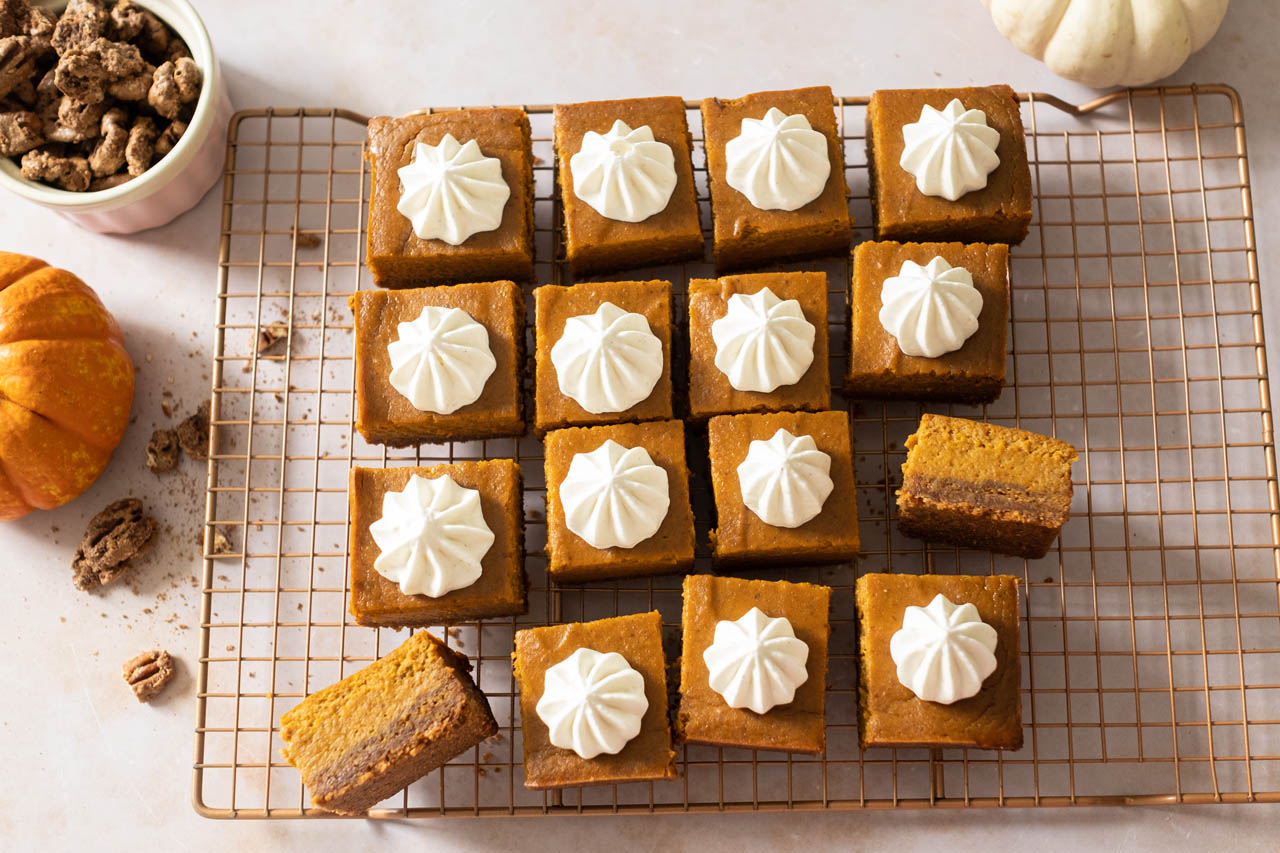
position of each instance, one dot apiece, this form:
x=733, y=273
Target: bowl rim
x=191, y=29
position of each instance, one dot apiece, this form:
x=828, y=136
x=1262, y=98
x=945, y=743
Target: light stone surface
x=86, y=767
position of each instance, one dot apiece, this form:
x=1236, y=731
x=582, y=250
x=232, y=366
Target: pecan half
x=114, y=537
x=148, y=673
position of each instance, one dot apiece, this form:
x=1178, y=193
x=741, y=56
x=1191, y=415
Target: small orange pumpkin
x=66, y=386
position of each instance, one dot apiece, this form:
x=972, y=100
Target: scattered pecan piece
x=219, y=543
x=20, y=132
x=163, y=450
x=148, y=673
x=107, y=156
x=193, y=434
x=114, y=537
x=271, y=336
x=134, y=87
x=69, y=173
x=308, y=241
x=141, y=146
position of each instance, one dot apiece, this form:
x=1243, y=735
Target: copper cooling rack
x=1151, y=633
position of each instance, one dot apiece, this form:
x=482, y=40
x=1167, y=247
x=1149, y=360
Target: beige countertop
x=88, y=768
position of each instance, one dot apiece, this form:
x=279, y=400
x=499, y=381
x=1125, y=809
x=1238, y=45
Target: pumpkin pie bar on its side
x=745, y=235
x=500, y=590
x=385, y=416
x=710, y=390
x=979, y=485
x=638, y=638
x=742, y=537
x=889, y=713
x=396, y=256
x=878, y=367
x=998, y=213
x=595, y=243
x=379, y=730
x=704, y=715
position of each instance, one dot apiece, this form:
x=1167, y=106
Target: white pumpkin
x=1104, y=43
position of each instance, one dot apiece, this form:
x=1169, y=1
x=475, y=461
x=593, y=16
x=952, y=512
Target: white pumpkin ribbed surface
x=1104, y=43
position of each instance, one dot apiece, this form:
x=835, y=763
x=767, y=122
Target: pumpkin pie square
x=743, y=538
x=879, y=368
x=500, y=589
x=704, y=715
x=396, y=255
x=670, y=549
x=555, y=305
x=889, y=713
x=385, y=416
x=710, y=390
x=743, y=234
x=998, y=213
x=594, y=243
x=647, y=756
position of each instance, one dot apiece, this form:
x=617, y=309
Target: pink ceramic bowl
x=170, y=187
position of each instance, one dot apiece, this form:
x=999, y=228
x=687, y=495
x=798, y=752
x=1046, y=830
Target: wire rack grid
x=1151, y=632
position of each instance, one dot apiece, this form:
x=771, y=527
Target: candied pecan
x=20, y=132
x=126, y=20
x=193, y=434
x=134, y=88
x=76, y=121
x=81, y=22
x=85, y=72
x=17, y=17
x=141, y=146
x=169, y=137
x=18, y=58
x=148, y=673
x=107, y=156
x=177, y=50
x=155, y=38
x=109, y=181
x=69, y=173
x=174, y=84
x=162, y=450
x=114, y=537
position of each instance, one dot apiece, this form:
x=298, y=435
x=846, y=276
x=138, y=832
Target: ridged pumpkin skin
x=66, y=386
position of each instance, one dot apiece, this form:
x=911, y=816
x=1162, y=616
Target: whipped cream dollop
x=432, y=535
x=614, y=496
x=950, y=151
x=785, y=480
x=451, y=191
x=607, y=361
x=592, y=703
x=762, y=342
x=931, y=309
x=944, y=651
x=441, y=360
x=756, y=662
x=778, y=162
x=624, y=174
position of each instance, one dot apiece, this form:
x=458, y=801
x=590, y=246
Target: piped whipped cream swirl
x=763, y=342
x=756, y=662
x=944, y=651
x=778, y=162
x=451, y=191
x=950, y=151
x=624, y=174
x=931, y=310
